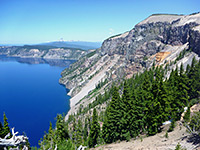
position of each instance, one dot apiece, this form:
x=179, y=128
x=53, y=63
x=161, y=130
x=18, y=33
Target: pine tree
x=85, y=132
x=156, y=111
x=193, y=79
x=141, y=97
x=180, y=92
x=94, y=131
x=1, y=130
x=164, y=100
x=127, y=113
x=172, y=88
x=111, y=130
x=183, y=82
x=6, y=128
x=79, y=133
x=137, y=109
x=143, y=101
x=177, y=92
x=50, y=136
x=61, y=131
x=74, y=130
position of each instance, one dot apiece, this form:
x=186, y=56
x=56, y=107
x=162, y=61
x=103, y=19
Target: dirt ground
x=159, y=141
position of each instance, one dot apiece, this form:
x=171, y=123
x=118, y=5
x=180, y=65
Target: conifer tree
x=74, y=130
x=85, y=132
x=175, y=96
x=79, y=133
x=137, y=113
x=111, y=130
x=6, y=128
x=180, y=93
x=193, y=79
x=172, y=93
x=127, y=113
x=143, y=99
x=182, y=86
x=61, y=131
x=164, y=100
x=94, y=131
x=1, y=130
x=157, y=104
x=50, y=132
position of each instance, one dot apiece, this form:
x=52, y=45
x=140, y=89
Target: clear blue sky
x=36, y=21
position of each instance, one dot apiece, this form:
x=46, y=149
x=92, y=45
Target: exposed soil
x=159, y=141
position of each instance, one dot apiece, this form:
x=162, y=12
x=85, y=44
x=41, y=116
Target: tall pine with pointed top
x=157, y=112
x=94, y=131
x=61, y=130
x=180, y=92
x=50, y=132
x=6, y=128
x=111, y=130
x=143, y=102
x=183, y=81
x=127, y=113
x=193, y=79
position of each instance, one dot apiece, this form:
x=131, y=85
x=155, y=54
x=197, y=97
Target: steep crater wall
x=150, y=38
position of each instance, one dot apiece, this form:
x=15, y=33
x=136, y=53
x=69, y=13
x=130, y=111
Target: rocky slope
x=160, y=39
x=41, y=51
x=158, y=141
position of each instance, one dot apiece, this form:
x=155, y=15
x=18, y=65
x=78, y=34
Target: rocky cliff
x=41, y=51
x=160, y=39
x=153, y=35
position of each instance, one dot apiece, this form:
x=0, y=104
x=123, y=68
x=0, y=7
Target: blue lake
x=31, y=95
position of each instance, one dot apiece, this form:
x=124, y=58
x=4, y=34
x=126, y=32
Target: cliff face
x=194, y=40
x=39, y=51
x=159, y=39
x=153, y=34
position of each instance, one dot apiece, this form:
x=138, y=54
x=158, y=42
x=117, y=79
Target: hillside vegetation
x=137, y=107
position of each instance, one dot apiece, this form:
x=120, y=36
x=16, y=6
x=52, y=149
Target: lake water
x=31, y=95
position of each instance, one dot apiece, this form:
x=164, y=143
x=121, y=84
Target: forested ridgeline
x=139, y=106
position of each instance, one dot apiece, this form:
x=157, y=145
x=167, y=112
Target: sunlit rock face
x=153, y=34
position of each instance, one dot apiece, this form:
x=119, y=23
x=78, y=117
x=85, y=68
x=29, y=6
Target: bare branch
x=14, y=140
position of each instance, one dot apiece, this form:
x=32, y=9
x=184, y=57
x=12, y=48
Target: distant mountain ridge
x=42, y=51
x=74, y=44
